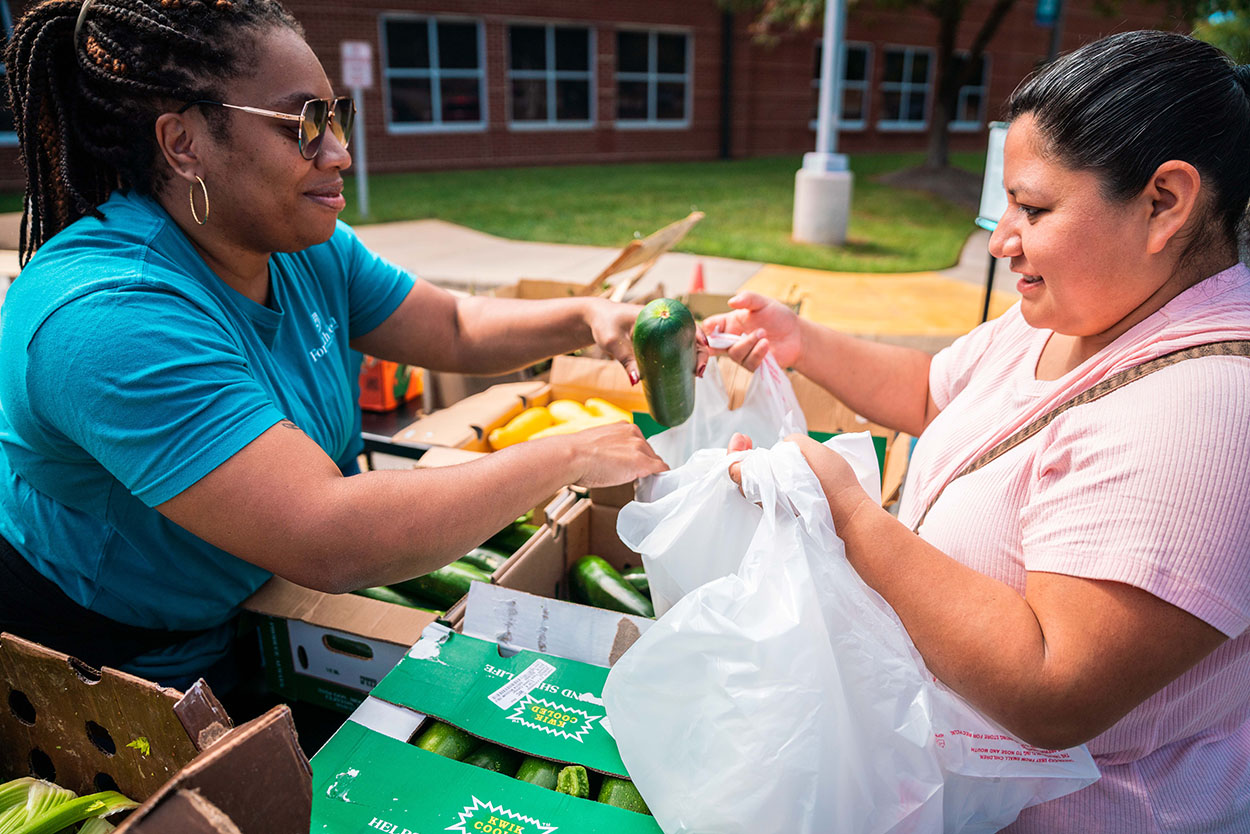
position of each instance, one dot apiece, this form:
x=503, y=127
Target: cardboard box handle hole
x=352, y=648
x=101, y=739
x=21, y=707
x=41, y=766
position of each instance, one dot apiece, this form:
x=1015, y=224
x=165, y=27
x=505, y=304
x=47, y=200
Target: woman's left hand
x=612, y=325
x=842, y=489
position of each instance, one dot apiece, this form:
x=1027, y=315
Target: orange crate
x=384, y=385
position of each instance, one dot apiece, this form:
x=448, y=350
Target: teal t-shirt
x=129, y=370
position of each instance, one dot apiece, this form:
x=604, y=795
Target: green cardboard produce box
x=494, y=684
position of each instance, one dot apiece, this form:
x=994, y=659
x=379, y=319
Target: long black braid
x=85, y=107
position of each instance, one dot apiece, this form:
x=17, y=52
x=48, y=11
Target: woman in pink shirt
x=1092, y=583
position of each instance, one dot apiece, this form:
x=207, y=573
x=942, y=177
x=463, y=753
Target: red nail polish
x=633, y=377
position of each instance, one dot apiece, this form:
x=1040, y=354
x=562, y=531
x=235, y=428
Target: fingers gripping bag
x=778, y=692
x=768, y=412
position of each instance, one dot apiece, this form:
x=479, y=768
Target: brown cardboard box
x=542, y=566
x=90, y=730
x=465, y=424
x=329, y=649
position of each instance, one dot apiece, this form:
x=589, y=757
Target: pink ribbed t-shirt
x=1149, y=486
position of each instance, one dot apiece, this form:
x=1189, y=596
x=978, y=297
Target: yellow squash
x=562, y=411
x=520, y=427
x=603, y=408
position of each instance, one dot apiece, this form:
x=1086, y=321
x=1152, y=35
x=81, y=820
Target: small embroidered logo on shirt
x=326, y=333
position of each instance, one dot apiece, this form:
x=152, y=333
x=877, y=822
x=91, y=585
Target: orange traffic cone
x=696, y=282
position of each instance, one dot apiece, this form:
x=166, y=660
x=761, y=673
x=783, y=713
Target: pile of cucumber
x=454, y=743
x=441, y=589
x=593, y=581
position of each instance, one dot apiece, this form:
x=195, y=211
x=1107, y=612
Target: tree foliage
x=1230, y=32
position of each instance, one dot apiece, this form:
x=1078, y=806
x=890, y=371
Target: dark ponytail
x=85, y=90
x=1123, y=105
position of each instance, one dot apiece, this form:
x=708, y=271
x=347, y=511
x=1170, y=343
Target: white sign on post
x=357, y=58
x=357, y=64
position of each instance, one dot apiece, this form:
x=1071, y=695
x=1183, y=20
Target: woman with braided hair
x=1072, y=553
x=175, y=373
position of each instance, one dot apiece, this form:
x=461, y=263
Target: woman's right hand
x=764, y=325
x=609, y=455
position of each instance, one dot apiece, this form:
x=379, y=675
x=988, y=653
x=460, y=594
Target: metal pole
x=830, y=77
x=359, y=159
x=1056, y=31
x=989, y=288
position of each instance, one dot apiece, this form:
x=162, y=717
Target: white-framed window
x=856, y=77
x=434, y=73
x=653, y=78
x=551, y=80
x=905, y=84
x=8, y=136
x=970, y=106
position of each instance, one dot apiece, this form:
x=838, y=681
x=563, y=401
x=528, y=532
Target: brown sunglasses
x=317, y=114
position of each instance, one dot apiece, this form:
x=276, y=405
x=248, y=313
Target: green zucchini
x=496, y=758
x=637, y=576
x=445, y=586
x=574, y=781
x=592, y=581
x=510, y=539
x=486, y=558
x=446, y=740
x=385, y=593
x=539, y=772
x=665, y=352
x=621, y=793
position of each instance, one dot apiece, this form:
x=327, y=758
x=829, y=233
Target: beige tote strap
x=1101, y=389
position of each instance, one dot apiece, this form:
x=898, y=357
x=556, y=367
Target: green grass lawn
x=748, y=204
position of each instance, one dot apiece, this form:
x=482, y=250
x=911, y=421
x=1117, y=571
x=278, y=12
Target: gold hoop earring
x=191, y=199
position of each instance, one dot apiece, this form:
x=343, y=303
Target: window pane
x=457, y=45
x=461, y=102
x=915, y=107
x=527, y=47
x=891, y=105
x=573, y=100
x=631, y=52
x=893, y=66
x=529, y=99
x=410, y=100
x=407, y=44
x=853, y=105
x=670, y=53
x=856, y=64
x=573, y=49
x=631, y=100
x=920, y=67
x=670, y=100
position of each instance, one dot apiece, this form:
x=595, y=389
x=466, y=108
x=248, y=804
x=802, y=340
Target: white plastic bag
x=784, y=692
x=769, y=411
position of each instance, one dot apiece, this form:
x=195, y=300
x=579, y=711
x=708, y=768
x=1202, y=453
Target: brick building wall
x=770, y=99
